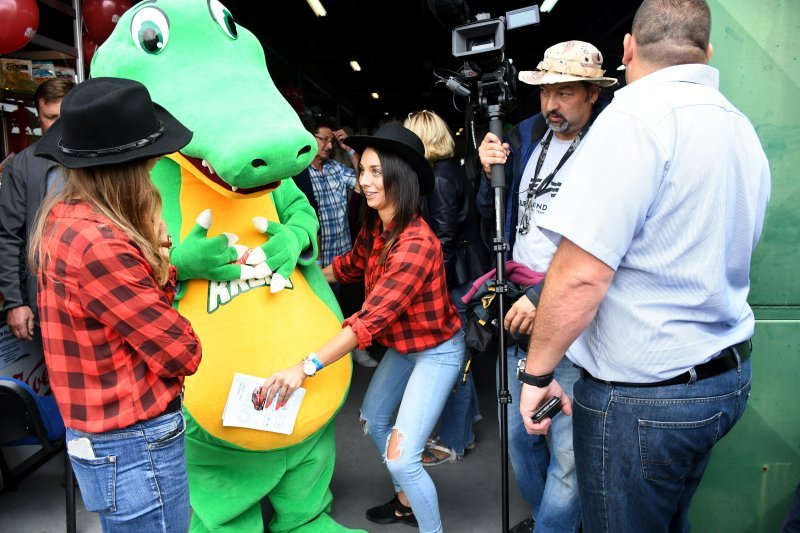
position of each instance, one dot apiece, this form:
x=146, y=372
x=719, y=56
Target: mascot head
x=212, y=75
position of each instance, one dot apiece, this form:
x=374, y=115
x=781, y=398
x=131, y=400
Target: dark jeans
x=641, y=452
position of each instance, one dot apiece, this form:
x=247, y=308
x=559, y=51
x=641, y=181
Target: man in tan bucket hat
x=535, y=153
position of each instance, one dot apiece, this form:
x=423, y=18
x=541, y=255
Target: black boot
x=392, y=512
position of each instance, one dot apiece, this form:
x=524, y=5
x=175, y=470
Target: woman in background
x=116, y=350
x=452, y=216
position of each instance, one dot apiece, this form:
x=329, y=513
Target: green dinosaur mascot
x=260, y=305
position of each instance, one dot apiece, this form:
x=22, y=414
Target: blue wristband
x=316, y=361
x=351, y=153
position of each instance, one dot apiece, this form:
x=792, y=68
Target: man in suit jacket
x=26, y=180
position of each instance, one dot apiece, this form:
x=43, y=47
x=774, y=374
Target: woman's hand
x=279, y=386
x=164, y=239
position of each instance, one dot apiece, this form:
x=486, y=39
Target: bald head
x=672, y=32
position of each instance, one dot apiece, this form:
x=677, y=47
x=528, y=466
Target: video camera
x=487, y=77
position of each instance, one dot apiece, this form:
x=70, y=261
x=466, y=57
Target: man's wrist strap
x=536, y=381
x=530, y=379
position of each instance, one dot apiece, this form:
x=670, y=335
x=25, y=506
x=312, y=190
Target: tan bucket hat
x=569, y=61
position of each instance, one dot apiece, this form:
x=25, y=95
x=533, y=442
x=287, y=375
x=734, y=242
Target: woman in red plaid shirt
x=408, y=309
x=116, y=350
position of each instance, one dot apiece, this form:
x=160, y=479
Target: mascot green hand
x=250, y=286
x=280, y=250
x=220, y=258
x=198, y=257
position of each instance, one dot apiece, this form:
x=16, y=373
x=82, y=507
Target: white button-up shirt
x=669, y=189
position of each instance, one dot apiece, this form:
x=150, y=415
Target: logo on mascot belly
x=223, y=292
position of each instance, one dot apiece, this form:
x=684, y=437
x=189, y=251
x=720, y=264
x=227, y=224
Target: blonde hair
x=435, y=134
x=122, y=193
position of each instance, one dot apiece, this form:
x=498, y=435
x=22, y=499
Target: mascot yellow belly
x=283, y=328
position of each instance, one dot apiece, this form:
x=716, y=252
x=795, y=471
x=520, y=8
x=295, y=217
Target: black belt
x=172, y=407
x=726, y=360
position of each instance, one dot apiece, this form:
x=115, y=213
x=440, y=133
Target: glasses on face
x=324, y=140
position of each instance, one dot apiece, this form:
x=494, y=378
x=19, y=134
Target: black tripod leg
x=500, y=248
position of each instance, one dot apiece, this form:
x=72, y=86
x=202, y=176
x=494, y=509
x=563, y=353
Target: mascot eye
x=223, y=17
x=150, y=30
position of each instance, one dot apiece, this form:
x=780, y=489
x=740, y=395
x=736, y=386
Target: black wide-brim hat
x=395, y=138
x=108, y=121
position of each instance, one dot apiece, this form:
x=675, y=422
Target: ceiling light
x=386, y=113
x=458, y=133
x=316, y=7
x=355, y=66
x=547, y=6
x=621, y=67
x=375, y=95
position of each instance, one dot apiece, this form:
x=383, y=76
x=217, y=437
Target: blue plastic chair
x=29, y=419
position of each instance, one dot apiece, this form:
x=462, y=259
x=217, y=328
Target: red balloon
x=89, y=48
x=101, y=16
x=19, y=20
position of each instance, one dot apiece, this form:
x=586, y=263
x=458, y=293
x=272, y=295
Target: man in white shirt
x=657, y=221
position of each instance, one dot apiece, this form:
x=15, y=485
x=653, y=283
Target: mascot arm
x=293, y=240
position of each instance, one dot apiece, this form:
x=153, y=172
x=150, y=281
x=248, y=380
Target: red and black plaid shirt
x=407, y=305
x=116, y=350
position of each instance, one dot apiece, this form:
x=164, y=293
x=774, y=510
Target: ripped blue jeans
x=416, y=387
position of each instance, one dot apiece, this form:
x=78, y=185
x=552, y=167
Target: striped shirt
x=116, y=350
x=669, y=188
x=407, y=305
x=332, y=188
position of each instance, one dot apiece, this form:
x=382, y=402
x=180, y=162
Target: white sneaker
x=363, y=358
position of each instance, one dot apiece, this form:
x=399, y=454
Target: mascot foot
x=325, y=524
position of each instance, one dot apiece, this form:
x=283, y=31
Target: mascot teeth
x=234, y=189
x=208, y=166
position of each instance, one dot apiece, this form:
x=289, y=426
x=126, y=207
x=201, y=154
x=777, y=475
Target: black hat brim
x=174, y=138
x=409, y=154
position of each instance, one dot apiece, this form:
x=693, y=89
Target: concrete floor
x=469, y=492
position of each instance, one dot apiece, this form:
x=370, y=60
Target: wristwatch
x=311, y=364
x=530, y=379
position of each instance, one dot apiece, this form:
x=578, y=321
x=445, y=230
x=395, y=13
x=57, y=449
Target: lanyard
x=525, y=222
x=542, y=188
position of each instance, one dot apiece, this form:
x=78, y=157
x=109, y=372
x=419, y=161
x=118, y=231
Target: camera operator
x=535, y=154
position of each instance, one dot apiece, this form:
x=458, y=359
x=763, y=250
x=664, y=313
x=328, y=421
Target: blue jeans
x=137, y=481
x=419, y=385
x=545, y=474
x=461, y=409
x=641, y=451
